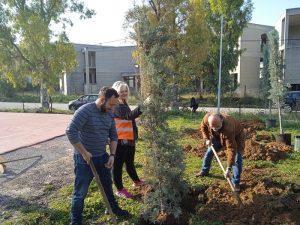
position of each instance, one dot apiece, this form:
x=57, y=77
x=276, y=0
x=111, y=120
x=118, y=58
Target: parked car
x=75, y=104
x=292, y=101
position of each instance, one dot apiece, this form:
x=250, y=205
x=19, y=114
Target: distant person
x=193, y=105
x=88, y=131
x=127, y=136
x=221, y=130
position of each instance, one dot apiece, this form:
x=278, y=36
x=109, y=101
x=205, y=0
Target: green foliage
x=183, y=30
x=163, y=158
x=6, y=89
x=158, y=27
x=236, y=14
x=278, y=87
x=265, y=75
x=29, y=48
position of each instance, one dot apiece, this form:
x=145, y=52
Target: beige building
x=247, y=73
x=288, y=26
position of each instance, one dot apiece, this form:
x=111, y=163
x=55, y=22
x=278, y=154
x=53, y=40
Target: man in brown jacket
x=223, y=131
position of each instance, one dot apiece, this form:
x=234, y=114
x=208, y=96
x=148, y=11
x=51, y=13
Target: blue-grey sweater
x=92, y=128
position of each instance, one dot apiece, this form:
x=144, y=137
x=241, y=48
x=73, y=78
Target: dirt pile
x=257, y=147
x=265, y=202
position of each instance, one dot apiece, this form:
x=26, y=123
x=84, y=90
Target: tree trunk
x=279, y=116
x=44, y=97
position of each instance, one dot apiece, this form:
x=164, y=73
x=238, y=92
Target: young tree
x=265, y=74
x=278, y=87
x=29, y=47
x=187, y=40
x=265, y=78
x=157, y=51
x=236, y=14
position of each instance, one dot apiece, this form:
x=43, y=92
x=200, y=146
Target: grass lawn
x=57, y=212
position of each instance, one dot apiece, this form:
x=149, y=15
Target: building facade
x=247, y=72
x=288, y=26
x=100, y=66
x=103, y=65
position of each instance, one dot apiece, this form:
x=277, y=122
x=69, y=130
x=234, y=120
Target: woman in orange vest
x=127, y=136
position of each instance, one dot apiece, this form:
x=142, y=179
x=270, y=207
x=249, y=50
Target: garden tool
x=3, y=166
x=237, y=196
x=98, y=181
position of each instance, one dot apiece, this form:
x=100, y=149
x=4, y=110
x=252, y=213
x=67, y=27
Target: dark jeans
x=236, y=168
x=124, y=154
x=83, y=178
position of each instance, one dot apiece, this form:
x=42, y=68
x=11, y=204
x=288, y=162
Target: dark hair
x=108, y=92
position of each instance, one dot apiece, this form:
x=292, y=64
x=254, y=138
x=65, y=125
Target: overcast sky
x=106, y=26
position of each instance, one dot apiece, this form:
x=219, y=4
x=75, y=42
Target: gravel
x=24, y=181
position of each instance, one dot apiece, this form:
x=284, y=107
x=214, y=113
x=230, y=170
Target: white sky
x=107, y=26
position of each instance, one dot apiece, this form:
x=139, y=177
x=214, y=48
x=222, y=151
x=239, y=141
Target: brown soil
x=257, y=147
x=264, y=202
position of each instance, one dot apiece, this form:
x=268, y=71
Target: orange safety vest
x=124, y=129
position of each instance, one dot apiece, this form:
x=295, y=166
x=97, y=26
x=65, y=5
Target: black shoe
x=75, y=223
x=201, y=174
x=120, y=212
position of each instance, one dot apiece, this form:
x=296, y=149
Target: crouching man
x=223, y=131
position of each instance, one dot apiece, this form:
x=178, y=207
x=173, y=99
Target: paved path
x=27, y=105
x=19, y=130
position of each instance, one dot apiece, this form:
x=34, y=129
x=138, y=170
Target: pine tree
x=278, y=87
x=163, y=167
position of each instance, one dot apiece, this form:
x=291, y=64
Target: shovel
x=237, y=196
x=3, y=166
x=98, y=181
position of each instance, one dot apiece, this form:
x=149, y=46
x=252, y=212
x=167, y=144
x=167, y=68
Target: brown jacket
x=232, y=136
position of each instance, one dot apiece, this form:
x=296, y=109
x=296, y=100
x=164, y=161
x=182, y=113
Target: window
x=235, y=80
x=92, y=59
x=263, y=41
x=92, y=76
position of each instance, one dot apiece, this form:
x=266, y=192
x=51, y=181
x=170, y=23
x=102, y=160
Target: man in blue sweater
x=88, y=131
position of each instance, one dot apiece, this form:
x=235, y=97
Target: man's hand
x=207, y=142
x=110, y=161
x=87, y=157
x=147, y=100
x=227, y=172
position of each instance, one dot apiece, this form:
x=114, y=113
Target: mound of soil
x=264, y=202
x=257, y=147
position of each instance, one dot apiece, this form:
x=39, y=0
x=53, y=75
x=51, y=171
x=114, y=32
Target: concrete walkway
x=19, y=130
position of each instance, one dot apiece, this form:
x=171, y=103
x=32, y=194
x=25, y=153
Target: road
x=64, y=106
x=19, y=105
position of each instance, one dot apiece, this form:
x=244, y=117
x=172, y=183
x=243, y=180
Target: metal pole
x=220, y=65
x=228, y=179
x=98, y=181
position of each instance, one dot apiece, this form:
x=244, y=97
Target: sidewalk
x=19, y=130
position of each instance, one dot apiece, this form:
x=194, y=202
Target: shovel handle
x=98, y=181
x=228, y=179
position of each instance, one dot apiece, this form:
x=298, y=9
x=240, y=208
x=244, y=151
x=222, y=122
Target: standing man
x=221, y=130
x=88, y=131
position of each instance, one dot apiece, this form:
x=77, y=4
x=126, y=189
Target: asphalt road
x=19, y=105
x=64, y=106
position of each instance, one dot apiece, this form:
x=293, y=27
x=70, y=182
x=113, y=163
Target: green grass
x=57, y=212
